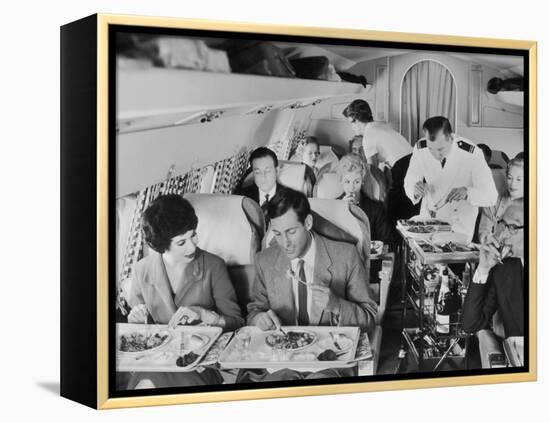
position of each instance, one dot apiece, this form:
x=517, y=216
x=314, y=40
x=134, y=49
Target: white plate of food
x=338, y=342
x=142, y=341
x=294, y=340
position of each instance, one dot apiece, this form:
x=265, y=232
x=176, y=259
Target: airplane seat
x=293, y=175
x=491, y=342
x=499, y=158
x=328, y=186
x=499, y=176
x=125, y=208
x=231, y=226
x=347, y=218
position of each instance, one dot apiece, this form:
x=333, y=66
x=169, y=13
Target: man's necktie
x=303, y=318
x=264, y=205
x=443, y=163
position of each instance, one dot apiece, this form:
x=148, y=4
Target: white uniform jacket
x=465, y=166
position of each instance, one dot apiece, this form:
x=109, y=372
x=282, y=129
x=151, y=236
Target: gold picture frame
x=97, y=27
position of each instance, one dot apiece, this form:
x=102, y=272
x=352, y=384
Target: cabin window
x=428, y=89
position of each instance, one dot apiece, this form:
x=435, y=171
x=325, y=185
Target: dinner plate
x=194, y=342
x=144, y=332
x=345, y=343
x=277, y=334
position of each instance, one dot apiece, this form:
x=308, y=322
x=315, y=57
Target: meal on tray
x=447, y=247
x=140, y=341
x=431, y=222
x=421, y=229
x=293, y=340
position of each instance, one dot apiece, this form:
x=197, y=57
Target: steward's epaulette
x=421, y=144
x=466, y=146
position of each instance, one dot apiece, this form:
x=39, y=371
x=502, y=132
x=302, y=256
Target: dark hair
x=486, y=150
x=359, y=110
x=311, y=140
x=166, y=217
x=435, y=124
x=286, y=199
x=262, y=152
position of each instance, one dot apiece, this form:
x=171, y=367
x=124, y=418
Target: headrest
x=499, y=158
x=347, y=217
x=292, y=175
x=328, y=186
x=327, y=156
x=224, y=228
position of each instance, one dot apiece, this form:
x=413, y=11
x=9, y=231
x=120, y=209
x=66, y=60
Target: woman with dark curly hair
x=178, y=283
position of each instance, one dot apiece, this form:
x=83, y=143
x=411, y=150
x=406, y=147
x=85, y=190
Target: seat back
x=499, y=158
x=328, y=186
x=231, y=226
x=346, y=217
x=499, y=176
x=293, y=175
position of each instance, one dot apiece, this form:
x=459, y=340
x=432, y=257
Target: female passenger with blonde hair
x=352, y=170
x=514, y=190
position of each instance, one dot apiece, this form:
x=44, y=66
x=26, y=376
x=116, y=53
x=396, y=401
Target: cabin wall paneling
x=474, y=95
x=495, y=130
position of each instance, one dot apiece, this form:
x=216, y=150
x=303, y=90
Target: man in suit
x=335, y=292
x=498, y=284
x=265, y=169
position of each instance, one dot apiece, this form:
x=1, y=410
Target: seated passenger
x=178, y=283
x=514, y=190
x=310, y=157
x=498, y=281
x=265, y=169
x=351, y=171
x=335, y=297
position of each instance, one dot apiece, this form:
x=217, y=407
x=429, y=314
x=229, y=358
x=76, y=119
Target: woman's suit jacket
x=206, y=284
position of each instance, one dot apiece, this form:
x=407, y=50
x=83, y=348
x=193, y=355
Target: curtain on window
x=428, y=90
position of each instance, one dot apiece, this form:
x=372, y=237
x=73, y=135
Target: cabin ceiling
x=345, y=57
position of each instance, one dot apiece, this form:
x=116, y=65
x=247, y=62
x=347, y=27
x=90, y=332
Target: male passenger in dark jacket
x=499, y=287
x=265, y=169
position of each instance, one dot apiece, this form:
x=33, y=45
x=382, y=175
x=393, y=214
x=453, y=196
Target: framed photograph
x=253, y=211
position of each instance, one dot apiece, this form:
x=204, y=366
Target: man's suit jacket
x=252, y=192
x=337, y=266
x=503, y=292
x=207, y=285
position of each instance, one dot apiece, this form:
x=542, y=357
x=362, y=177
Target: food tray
x=260, y=355
x=434, y=253
x=431, y=226
x=163, y=359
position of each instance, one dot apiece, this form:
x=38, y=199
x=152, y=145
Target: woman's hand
x=184, y=315
x=138, y=314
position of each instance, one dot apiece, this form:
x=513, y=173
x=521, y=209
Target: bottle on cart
x=448, y=304
x=442, y=314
